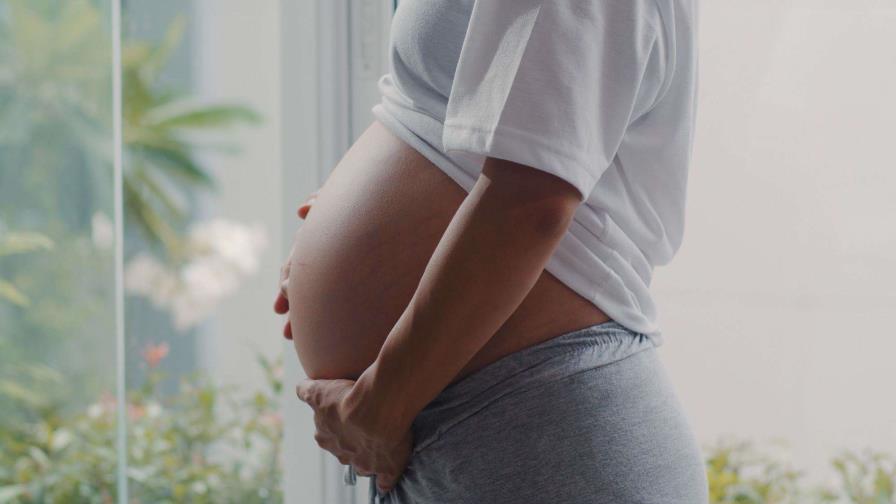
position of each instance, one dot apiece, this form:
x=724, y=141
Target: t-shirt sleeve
x=552, y=84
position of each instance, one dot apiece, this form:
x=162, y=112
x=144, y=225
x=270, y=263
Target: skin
x=479, y=292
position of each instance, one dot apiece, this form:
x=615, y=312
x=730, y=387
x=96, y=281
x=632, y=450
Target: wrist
x=375, y=409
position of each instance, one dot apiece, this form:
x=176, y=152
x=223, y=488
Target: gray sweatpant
x=587, y=417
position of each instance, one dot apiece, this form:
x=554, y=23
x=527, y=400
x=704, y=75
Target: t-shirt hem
x=567, y=261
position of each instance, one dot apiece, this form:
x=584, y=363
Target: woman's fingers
x=386, y=481
x=281, y=304
x=306, y=206
x=396, y=464
x=363, y=473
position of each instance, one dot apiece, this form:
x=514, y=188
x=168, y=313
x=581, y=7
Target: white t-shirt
x=601, y=93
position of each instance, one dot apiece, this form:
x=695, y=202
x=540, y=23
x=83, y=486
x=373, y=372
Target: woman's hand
x=349, y=427
x=281, y=304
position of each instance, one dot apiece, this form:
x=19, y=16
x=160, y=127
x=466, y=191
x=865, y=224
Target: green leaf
x=9, y=292
x=81, y=21
x=150, y=222
x=169, y=157
x=162, y=53
x=15, y=390
x=10, y=492
x=39, y=456
x=160, y=194
x=19, y=242
x=191, y=115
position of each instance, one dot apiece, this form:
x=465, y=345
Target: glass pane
x=57, y=275
x=201, y=175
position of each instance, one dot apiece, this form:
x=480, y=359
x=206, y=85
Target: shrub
x=202, y=444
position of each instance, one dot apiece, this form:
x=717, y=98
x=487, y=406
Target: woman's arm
x=488, y=260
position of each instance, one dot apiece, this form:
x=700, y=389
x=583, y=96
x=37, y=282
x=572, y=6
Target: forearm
x=487, y=261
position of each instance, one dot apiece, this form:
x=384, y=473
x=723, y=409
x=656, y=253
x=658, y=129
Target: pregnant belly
x=362, y=250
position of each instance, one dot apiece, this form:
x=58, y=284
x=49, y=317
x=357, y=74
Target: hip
x=588, y=416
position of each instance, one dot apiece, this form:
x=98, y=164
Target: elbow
x=543, y=201
x=552, y=220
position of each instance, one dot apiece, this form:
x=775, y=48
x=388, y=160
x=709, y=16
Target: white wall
x=778, y=311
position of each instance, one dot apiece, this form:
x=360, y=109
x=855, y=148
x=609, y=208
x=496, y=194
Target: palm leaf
x=23, y=241
x=9, y=292
x=159, y=56
x=171, y=157
x=184, y=115
x=154, y=226
x=163, y=197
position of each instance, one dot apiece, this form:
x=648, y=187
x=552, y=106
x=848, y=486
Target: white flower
x=213, y=479
x=142, y=273
x=146, y=276
x=94, y=411
x=61, y=439
x=165, y=288
x=198, y=487
x=234, y=243
x=188, y=310
x=102, y=231
x=221, y=254
x=153, y=410
x=210, y=277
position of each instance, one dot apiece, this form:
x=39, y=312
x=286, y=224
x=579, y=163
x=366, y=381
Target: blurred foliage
x=19, y=243
x=65, y=323
x=868, y=477
x=744, y=472
x=161, y=167
x=56, y=177
x=740, y=473
x=56, y=122
x=55, y=113
x=185, y=447
x=56, y=269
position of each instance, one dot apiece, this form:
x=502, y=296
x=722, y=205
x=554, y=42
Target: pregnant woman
x=469, y=291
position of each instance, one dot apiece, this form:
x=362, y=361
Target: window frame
x=332, y=55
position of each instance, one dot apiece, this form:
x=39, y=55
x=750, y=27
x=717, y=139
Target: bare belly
x=361, y=253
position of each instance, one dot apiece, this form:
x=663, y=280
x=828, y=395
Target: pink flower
x=153, y=354
x=104, y=406
x=136, y=411
x=274, y=419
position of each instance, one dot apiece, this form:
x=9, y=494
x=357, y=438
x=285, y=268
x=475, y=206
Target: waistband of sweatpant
x=556, y=358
